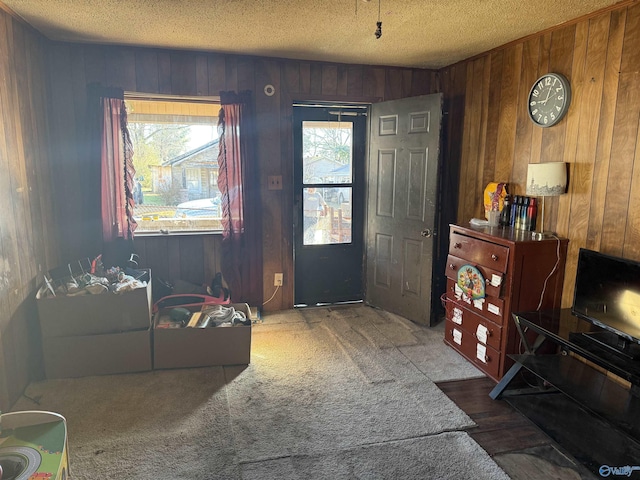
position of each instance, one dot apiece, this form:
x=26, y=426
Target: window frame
x=150, y=97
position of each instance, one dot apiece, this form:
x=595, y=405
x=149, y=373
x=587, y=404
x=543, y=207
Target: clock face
x=549, y=99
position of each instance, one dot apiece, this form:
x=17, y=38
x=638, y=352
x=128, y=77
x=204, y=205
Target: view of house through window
x=327, y=164
x=175, y=154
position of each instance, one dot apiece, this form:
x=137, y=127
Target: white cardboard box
x=84, y=355
x=201, y=347
x=64, y=315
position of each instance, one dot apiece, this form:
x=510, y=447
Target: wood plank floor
x=515, y=443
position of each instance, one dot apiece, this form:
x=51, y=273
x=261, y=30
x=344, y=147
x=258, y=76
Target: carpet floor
x=331, y=393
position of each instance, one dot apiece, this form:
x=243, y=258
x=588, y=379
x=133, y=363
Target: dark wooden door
x=329, y=149
x=401, y=208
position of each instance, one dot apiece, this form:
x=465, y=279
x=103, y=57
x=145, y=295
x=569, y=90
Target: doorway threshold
x=328, y=304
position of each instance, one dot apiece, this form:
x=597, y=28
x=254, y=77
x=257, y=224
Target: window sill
x=177, y=233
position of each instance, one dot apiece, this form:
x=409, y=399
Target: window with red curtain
x=241, y=256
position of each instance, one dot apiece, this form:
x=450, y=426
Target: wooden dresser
x=515, y=268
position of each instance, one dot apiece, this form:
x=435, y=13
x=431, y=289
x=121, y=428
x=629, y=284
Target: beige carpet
x=340, y=393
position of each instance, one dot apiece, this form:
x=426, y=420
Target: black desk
x=578, y=405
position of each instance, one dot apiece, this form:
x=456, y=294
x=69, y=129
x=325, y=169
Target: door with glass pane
x=329, y=149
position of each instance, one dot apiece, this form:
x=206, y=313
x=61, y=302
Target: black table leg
x=513, y=371
x=499, y=388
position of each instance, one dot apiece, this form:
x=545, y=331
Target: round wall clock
x=549, y=99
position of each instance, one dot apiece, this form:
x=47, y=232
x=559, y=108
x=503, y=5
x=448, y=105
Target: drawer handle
x=457, y=245
x=488, y=334
x=486, y=359
x=452, y=266
x=494, y=257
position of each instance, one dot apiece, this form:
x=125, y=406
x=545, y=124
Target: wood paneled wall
x=28, y=242
x=72, y=67
x=492, y=138
x=192, y=258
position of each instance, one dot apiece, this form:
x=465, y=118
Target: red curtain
x=230, y=170
x=117, y=172
x=241, y=260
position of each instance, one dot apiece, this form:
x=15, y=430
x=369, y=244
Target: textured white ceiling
x=415, y=33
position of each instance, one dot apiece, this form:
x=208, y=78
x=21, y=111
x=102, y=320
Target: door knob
x=426, y=233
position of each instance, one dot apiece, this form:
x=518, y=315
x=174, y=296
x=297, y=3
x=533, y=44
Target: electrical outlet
x=277, y=280
x=275, y=182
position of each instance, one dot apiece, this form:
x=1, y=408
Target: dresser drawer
x=480, y=328
x=491, y=308
x=479, y=252
x=492, y=278
x=482, y=356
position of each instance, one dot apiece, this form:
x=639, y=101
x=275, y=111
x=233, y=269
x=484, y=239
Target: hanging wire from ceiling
x=378, y=33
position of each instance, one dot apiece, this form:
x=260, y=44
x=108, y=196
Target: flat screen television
x=607, y=294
